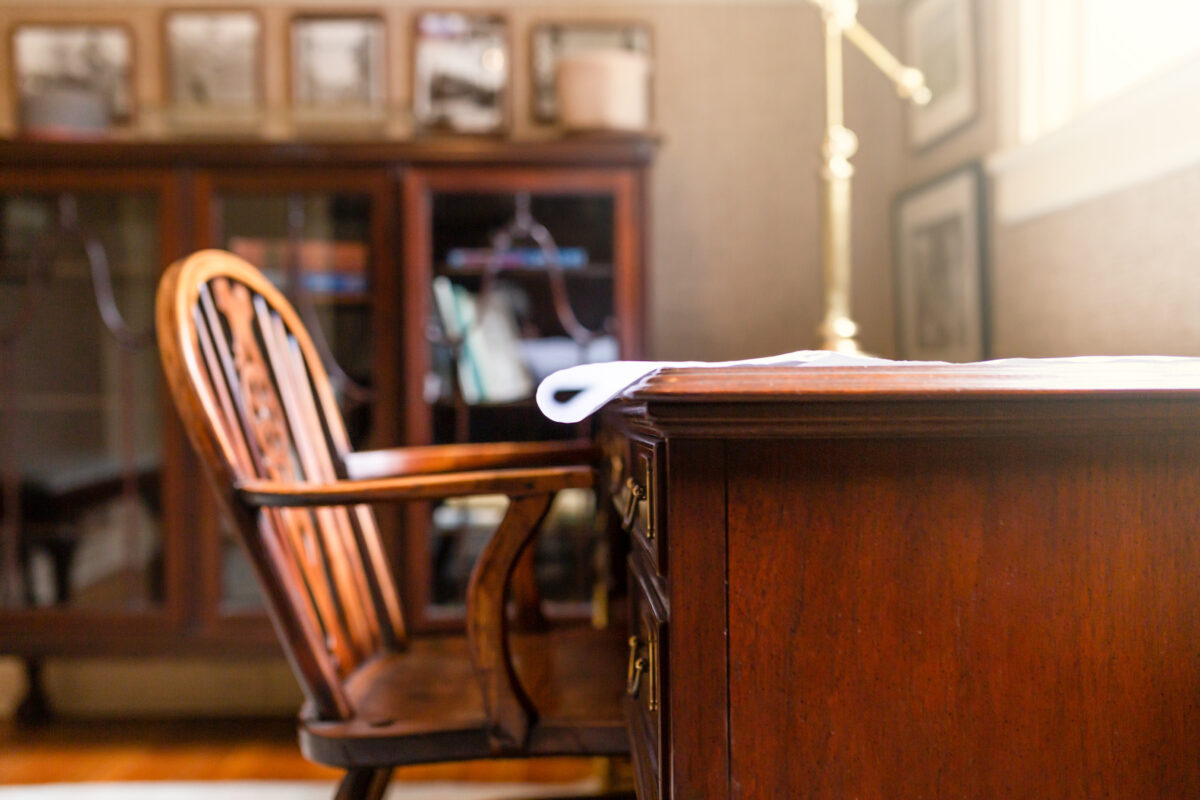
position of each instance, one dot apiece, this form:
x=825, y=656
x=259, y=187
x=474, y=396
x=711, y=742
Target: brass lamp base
x=837, y=330
x=837, y=334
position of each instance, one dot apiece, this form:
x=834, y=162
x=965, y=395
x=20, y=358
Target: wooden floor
x=214, y=750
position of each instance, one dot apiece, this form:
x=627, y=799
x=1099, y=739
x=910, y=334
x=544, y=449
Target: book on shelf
x=325, y=265
x=527, y=257
x=479, y=511
x=490, y=366
x=444, y=298
x=496, y=349
x=321, y=282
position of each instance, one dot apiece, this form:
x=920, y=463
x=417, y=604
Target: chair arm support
x=399, y=461
x=515, y=483
x=509, y=709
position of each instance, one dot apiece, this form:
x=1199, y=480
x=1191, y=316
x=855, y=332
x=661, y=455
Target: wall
x=1113, y=275
x=738, y=101
x=735, y=243
x=736, y=218
x=981, y=135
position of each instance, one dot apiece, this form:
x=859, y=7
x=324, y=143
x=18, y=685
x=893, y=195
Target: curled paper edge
x=595, y=385
x=598, y=383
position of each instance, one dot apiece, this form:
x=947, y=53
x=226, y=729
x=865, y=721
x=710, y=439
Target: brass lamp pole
x=837, y=329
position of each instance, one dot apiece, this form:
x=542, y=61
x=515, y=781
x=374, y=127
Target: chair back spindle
x=257, y=404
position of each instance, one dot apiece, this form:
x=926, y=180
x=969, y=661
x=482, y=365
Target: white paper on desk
x=596, y=384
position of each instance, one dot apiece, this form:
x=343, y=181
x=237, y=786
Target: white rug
x=285, y=790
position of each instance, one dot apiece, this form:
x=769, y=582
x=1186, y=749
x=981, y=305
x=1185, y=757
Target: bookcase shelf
x=349, y=300
x=590, y=272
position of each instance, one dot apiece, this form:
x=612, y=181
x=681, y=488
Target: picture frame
x=338, y=64
x=213, y=59
x=550, y=40
x=88, y=64
x=940, y=40
x=461, y=72
x=940, y=268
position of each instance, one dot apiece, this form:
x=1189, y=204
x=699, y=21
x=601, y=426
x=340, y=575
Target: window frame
x=1055, y=153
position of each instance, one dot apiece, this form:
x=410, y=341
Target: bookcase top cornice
x=595, y=150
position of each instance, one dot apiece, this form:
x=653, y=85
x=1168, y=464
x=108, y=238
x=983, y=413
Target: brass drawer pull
x=636, y=495
x=640, y=665
x=637, y=666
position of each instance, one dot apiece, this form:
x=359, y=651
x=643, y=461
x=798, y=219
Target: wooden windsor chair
x=258, y=408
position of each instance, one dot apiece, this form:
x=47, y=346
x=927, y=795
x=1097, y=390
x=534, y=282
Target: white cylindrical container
x=604, y=90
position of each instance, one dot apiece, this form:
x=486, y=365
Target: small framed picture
x=941, y=297
x=939, y=40
x=76, y=74
x=337, y=63
x=214, y=59
x=549, y=41
x=461, y=67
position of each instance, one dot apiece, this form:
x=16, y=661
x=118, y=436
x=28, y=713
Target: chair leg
x=364, y=784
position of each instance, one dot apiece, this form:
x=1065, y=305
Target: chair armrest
x=513, y=482
x=366, y=464
x=510, y=711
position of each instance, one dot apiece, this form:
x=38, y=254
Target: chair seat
x=425, y=704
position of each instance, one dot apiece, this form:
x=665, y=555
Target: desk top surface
x=919, y=399
x=1015, y=377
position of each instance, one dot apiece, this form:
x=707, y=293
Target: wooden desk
x=953, y=582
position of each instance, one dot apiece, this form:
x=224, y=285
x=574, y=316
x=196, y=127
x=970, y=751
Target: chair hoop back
x=257, y=404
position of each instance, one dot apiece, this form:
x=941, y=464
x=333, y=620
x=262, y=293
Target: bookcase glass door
x=500, y=324
x=316, y=247
x=80, y=402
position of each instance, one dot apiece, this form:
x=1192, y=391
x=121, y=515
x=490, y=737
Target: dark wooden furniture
x=901, y=582
x=151, y=202
x=257, y=405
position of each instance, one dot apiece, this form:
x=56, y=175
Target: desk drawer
x=646, y=691
x=637, y=489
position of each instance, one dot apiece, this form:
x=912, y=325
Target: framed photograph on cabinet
x=550, y=41
x=940, y=254
x=461, y=68
x=338, y=64
x=72, y=78
x=940, y=40
x=214, y=60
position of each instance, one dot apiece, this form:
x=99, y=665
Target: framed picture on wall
x=549, y=41
x=461, y=68
x=214, y=60
x=338, y=64
x=940, y=254
x=71, y=76
x=939, y=40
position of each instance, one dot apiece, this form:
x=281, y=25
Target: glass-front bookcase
x=110, y=540
x=85, y=501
